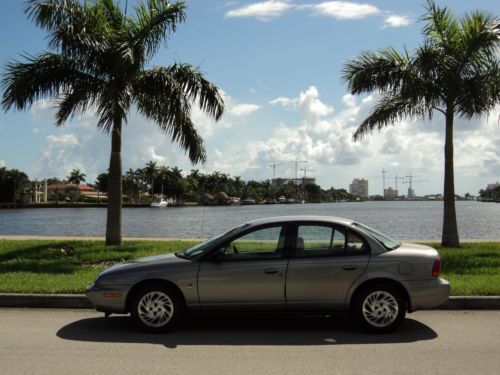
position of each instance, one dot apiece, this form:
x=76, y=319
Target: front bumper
x=425, y=294
x=108, y=299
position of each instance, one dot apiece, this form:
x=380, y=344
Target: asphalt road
x=84, y=342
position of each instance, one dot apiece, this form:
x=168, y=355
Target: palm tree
x=98, y=61
x=151, y=171
x=163, y=172
x=454, y=72
x=76, y=177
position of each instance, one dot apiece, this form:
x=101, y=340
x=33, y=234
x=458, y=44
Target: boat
x=282, y=199
x=159, y=202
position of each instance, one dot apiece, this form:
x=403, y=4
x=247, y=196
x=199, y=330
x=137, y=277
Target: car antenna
x=202, y=219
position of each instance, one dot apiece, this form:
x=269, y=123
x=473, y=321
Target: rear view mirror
x=218, y=255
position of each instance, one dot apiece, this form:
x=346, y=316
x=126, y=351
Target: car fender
x=373, y=276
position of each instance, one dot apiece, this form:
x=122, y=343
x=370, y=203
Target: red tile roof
x=69, y=186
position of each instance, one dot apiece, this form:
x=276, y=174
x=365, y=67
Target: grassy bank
x=46, y=266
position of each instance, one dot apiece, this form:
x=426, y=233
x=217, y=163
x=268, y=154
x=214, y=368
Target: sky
x=278, y=64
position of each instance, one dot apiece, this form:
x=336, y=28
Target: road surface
x=43, y=341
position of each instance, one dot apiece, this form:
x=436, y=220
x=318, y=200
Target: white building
x=359, y=187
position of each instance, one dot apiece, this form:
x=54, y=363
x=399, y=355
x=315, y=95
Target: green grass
x=473, y=269
x=46, y=266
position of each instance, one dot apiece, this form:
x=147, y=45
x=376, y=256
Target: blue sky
x=279, y=64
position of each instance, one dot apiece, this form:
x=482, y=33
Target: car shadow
x=244, y=330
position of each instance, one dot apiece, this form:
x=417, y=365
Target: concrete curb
x=471, y=303
x=80, y=301
x=53, y=301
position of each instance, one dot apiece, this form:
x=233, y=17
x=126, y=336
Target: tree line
x=141, y=184
x=197, y=186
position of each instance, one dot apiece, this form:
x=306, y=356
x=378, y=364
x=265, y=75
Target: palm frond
x=155, y=20
x=78, y=99
x=43, y=76
x=441, y=27
x=480, y=92
x=388, y=111
x=78, y=30
x=50, y=14
x=480, y=39
x=114, y=103
x=197, y=88
x=160, y=97
x=113, y=14
x=382, y=70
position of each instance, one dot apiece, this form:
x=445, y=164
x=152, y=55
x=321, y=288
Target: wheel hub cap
x=380, y=308
x=155, y=309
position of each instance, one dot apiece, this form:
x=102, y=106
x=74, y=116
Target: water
x=402, y=220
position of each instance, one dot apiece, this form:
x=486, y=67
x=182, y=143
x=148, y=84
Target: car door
x=247, y=271
x=326, y=260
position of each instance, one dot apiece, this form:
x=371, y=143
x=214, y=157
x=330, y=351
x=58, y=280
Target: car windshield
x=200, y=248
x=385, y=240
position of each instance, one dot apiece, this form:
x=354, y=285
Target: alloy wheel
x=380, y=308
x=155, y=309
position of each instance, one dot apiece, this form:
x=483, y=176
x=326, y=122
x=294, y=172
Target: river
x=402, y=220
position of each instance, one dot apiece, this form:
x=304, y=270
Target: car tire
x=156, y=309
x=379, y=308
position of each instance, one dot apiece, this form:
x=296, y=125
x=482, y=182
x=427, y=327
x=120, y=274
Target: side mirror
x=218, y=255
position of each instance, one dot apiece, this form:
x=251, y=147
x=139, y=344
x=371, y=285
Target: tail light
x=436, y=268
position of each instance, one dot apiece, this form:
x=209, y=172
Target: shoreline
x=13, y=206
x=166, y=239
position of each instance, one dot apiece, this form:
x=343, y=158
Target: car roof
x=285, y=219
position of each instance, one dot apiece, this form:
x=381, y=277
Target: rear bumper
x=425, y=294
x=108, y=299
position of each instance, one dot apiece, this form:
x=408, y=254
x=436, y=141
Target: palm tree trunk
x=114, y=218
x=450, y=229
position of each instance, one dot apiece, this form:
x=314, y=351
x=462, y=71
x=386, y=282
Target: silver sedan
x=293, y=263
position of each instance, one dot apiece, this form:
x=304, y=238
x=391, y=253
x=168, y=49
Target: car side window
x=356, y=245
x=265, y=243
x=319, y=240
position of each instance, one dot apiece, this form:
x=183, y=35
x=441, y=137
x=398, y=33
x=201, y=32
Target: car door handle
x=349, y=267
x=271, y=271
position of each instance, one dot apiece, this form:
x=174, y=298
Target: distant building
x=359, y=187
x=390, y=193
x=279, y=182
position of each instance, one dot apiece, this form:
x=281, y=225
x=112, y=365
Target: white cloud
x=396, y=21
x=340, y=10
x=343, y=10
x=243, y=109
x=310, y=106
x=59, y=156
x=263, y=11
x=285, y=102
x=2, y=164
